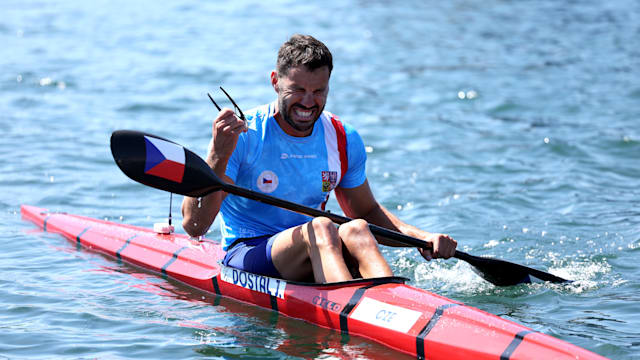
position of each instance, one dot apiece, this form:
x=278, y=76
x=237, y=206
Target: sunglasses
x=237, y=111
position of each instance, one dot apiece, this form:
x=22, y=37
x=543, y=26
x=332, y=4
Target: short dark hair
x=303, y=50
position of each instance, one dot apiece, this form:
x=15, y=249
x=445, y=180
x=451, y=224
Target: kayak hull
x=411, y=320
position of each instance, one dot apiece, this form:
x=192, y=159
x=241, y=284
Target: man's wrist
x=217, y=164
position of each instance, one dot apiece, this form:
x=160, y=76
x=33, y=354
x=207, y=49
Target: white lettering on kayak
x=254, y=282
x=385, y=315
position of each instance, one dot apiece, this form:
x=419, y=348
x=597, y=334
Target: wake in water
x=459, y=278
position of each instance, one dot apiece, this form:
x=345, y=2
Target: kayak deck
x=386, y=310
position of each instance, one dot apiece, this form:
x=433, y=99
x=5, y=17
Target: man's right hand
x=225, y=131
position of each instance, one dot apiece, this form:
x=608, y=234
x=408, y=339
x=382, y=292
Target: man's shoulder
x=335, y=120
x=259, y=113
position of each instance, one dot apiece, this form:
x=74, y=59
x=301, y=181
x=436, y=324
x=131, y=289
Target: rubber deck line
x=216, y=287
x=514, y=344
x=78, y=242
x=274, y=302
x=173, y=258
x=124, y=246
x=420, y=350
x=357, y=295
x=44, y=222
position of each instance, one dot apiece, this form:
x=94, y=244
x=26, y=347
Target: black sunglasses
x=241, y=116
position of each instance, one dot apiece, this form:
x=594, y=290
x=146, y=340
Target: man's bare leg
x=363, y=247
x=314, y=247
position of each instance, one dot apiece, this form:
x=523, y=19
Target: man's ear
x=274, y=81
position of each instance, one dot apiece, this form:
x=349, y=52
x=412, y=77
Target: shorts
x=253, y=255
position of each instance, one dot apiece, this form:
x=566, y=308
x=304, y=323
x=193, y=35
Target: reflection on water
x=252, y=331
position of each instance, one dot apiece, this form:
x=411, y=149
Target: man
x=293, y=149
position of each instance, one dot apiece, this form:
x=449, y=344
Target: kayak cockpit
x=355, y=282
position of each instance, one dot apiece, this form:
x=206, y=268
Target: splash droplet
x=46, y=81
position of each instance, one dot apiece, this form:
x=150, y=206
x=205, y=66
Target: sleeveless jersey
x=303, y=170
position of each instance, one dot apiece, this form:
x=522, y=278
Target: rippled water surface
x=512, y=125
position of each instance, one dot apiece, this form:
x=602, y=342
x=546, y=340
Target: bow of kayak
x=386, y=310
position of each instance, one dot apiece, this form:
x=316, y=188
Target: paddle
x=165, y=165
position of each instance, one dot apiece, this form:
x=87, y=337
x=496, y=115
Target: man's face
x=302, y=95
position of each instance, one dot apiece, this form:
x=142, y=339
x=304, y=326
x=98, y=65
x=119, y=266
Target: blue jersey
x=303, y=170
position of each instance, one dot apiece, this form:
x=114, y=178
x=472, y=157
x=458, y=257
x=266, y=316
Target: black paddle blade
x=505, y=273
x=162, y=164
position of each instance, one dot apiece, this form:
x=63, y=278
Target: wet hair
x=303, y=50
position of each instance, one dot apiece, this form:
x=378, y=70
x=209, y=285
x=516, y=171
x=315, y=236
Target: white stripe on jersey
x=331, y=141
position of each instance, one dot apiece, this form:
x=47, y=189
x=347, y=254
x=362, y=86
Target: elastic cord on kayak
x=170, y=202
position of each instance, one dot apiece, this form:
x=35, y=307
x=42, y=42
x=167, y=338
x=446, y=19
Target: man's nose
x=307, y=99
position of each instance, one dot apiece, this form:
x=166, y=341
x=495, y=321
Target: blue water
x=512, y=125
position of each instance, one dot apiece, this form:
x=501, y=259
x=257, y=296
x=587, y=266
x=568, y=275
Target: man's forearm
x=385, y=218
x=198, y=213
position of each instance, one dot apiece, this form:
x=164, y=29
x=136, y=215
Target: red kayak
x=386, y=310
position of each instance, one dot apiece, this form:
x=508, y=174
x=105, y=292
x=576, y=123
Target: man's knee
x=322, y=224
x=322, y=233
x=357, y=233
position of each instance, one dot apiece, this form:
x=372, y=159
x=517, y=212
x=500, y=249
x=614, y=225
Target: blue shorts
x=253, y=255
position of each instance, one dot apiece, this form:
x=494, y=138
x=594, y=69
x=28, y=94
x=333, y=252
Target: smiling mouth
x=303, y=114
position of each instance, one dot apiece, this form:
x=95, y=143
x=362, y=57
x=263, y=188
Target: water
x=511, y=125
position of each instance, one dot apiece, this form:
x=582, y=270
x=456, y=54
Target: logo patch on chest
x=267, y=181
x=329, y=180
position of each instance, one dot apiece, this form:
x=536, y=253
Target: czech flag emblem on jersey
x=164, y=159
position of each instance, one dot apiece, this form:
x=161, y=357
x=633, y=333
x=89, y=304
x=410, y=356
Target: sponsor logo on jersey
x=285, y=156
x=329, y=180
x=267, y=181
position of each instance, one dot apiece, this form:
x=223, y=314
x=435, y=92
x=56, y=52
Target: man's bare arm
x=198, y=214
x=359, y=202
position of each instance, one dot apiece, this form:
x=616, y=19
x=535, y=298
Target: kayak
x=386, y=310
